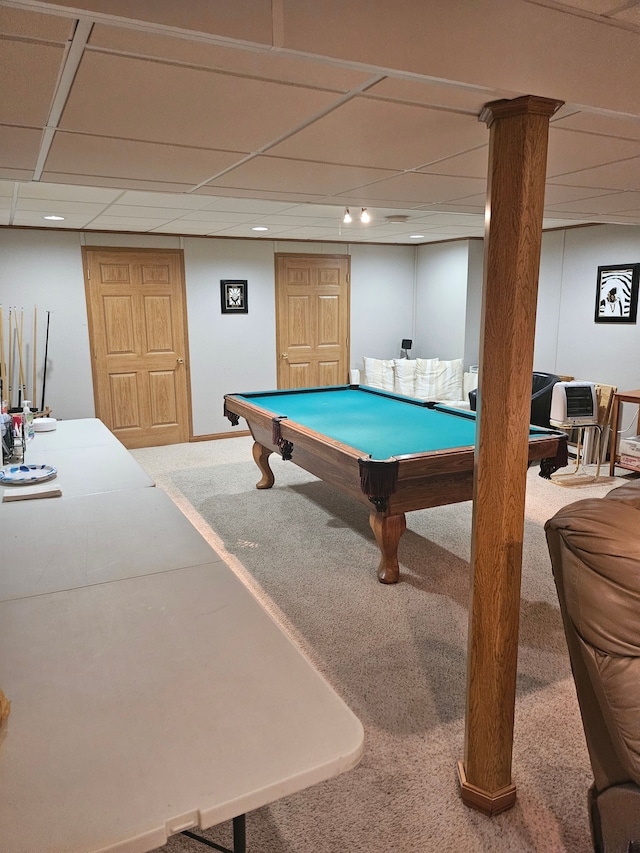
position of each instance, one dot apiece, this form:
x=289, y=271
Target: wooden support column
x=515, y=197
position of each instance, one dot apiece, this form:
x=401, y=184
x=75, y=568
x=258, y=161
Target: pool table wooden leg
x=388, y=529
x=261, y=456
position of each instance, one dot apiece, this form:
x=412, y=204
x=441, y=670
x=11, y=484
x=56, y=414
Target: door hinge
x=88, y=273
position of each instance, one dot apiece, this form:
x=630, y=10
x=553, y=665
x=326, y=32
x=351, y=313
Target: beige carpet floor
x=397, y=656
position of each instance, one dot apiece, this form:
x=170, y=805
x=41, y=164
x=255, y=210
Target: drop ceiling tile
x=458, y=230
x=16, y=174
x=29, y=73
x=126, y=223
x=608, y=125
x=614, y=176
x=245, y=231
x=151, y=101
x=215, y=217
x=33, y=25
x=266, y=64
x=599, y=7
x=550, y=222
x=270, y=195
x=457, y=207
x=297, y=221
x=602, y=204
x=60, y=207
x=101, y=181
x=247, y=205
x=441, y=220
x=184, y=201
x=6, y=189
x=367, y=132
x=477, y=201
x=19, y=147
x=149, y=212
x=558, y=194
x=123, y=158
x=419, y=188
x=430, y=93
x=570, y=151
x=36, y=219
x=322, y=233
x=629, y=16
x=276, y=173
x=193, y=229
x=471, y=164
x=250, y=21
x=60, y=192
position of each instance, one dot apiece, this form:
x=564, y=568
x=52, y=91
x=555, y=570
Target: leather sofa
x=594, y=546
x=541, y=392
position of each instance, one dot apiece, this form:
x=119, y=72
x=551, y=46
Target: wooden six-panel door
x=312, y=320
x=136, y=309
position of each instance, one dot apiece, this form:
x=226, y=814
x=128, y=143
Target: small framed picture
x=617, y=293
x=233, y=296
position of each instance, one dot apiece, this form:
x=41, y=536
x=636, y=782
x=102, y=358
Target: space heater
x=573, y=404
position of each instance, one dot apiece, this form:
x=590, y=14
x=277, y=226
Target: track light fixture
x=364, y=216
x=347, y=215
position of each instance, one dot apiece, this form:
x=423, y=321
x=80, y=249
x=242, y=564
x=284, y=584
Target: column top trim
x=525, y=105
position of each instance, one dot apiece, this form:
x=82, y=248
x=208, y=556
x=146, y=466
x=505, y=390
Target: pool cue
x=21, y=386
x=10, y=389
x=33, y=355
x=44, y=372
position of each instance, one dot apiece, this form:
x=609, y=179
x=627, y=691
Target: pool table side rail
x=326, y=458
x=410, y=482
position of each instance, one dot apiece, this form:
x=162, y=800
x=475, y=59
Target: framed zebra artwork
x=617, y=293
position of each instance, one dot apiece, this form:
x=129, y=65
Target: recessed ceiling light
x=416, y=236
x=259, y=228
x=57, y=218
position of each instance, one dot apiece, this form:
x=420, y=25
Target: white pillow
x=449, y=383
x=426, y=378
x=439, y=380
x=405, y=376
x=378, y=373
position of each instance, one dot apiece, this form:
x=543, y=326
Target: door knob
x=285, y=355
x=180, y=360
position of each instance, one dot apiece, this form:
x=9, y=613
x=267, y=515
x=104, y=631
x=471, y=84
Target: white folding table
x=67, y=542
x=147, y=706
x=151, y=693
x=67, y=435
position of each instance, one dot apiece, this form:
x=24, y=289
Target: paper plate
x=44, y=424
x=22, y=475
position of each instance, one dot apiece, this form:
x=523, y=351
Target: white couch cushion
x=378, y=373
x=404, y=376
x=426, y=375
x=439, y=380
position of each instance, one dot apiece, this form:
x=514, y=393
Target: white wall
x=474, y=303
x=229, y=353
x=441, y=299
x=429, y=293
x=549, y=294
x=382, y=300
x=602, y=352
x=44, y=269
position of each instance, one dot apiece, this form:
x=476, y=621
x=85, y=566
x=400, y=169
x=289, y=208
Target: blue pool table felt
x=379, y=425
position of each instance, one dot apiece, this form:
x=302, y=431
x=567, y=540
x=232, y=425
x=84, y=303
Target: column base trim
x=489, y=802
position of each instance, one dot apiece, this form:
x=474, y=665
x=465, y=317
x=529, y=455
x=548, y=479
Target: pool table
x=394, y=454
